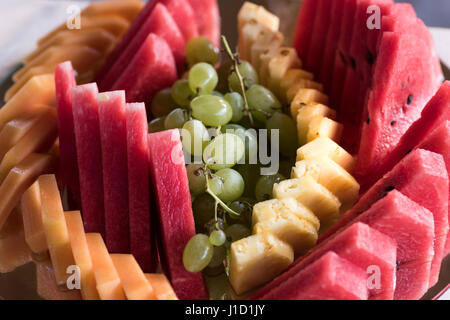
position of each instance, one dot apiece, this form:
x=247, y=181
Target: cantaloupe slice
x=112, y=23
x=109, y=285
x=46, y=284
x=15, y=129
x=305, y=96
x=128, y=9
x=38, y=139
x=81, y=255
x=19, y=180
x=134, y=282
x=302, y=84
x=37, y=91
x=321, y=126
x=304, y=116
x=161, y=286
x=32, y=220
x=55, y=228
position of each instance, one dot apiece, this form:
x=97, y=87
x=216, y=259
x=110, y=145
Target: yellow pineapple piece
x=250, y=11
x=290, y=77
x=305, y=96
x=256, y=260
x=284, y=59
x=331, y=175
x=308, y=112
x=324, y=147
x=265, y=40
x=266, y=56
x=311, y=194
x=321, y=126
x=248, y=35
x=302, y=84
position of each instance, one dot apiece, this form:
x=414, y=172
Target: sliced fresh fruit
x=248, y=35
x=207, y=16
x=176, y=221
x=305, y=23
x=88, y=145
x=109, y=285
x=183, y=14
x=113, y=136
x=81, y=255
x=306, y=113
x=250, y=11
x=302, y=84
x=263, y=43
x=161, y=286
x=249, y=254
x=305, y=96
x=284, y=59
x=128, y=9
x=321, y=126
x=292, y=76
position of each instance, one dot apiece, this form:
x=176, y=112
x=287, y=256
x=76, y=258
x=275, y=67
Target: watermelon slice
x=138, y=79
x=208, y=19
x=161, y=23
x=331, y=277
x=317, y=43
x=138, y=187
x=436, y=112
x=412, y=227
x=87, y=136
x=176, y=221
x=422, y=177
x=126, y=40
x=181, y=11
x=359, y=244
x=64, y=81
x=305, y=23
x=112, y=115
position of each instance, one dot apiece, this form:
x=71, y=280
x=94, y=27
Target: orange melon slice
x=161, y=286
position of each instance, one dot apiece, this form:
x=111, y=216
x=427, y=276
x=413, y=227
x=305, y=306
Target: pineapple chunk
x=308, y=112
x=250, y=11
x=290, y=77
x=311, y=194
x=284, y=59
x=264, y=41
x=256, y=260
x=321, y=126
x=266, y=56
x=267, y=210
x=248, y=35
x=305, y=96
x=331, y=175
x=325, y=147
x=302, y=84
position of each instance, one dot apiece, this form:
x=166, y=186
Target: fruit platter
x=143, y=156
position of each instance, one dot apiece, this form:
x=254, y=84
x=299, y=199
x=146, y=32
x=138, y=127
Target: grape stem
x=235, y=59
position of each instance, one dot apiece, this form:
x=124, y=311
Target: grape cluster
x=215, y=109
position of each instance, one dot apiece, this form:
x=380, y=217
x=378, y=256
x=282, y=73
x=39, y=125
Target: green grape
x=244, y=207
x=200, y=49
x=217, y=94
x=197, y=253
x=156, y=125
x=217, y=238
x=233, y=184
x=237, y=232
x=237, y=104
x=163, y=103
x=194, y=136
x=214, y=225
x=288, y=142
x=203, y=78
x=220, y=253
x=224, y=72
x=232, y=128
x=262, y=102
x=203, y=208
x=176, y=119
x=216, y=186
x=211, y=110
x=224, y=151
x=196, y=177
x=219, y=287
x=248, y=137
x=182, y=93
x=249, y=75
x=251, y=174
x=264, y=186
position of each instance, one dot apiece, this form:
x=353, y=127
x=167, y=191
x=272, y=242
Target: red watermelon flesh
x=88, y=142
x=64, y=82
x=341, y=60
x=138, y=187
x=331, y=277
x=112, y=115
x=317, y=42
x=207, y=16
x=422, y=177
x=439, y=141
x=436, y=112
x=161, y=23
x=181, y=11
x=412, y=227
x=176, y=221
x=337, y=11
x=151, y=69
x=305, y=24
x=126, y=39
x=360, y=245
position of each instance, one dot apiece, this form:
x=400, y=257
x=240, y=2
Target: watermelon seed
x=409, y=151
x=390, y=188
x=393, y=123
x=370, y=57
x=342, y=56
x=353, y=63
x=368, y=121
x=410, y=99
